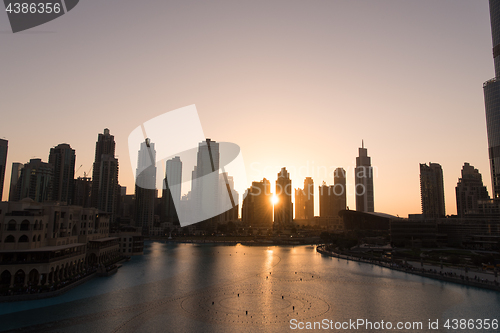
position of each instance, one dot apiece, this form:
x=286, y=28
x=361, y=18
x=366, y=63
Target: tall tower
x=62, y=157
x=469, y=191
x=171, y=195
x=492, y=102
x=339, y=192
x=206, y=184
x=3, y=163
x=14, y=179
x=36, y=181
x=105, y=146
x=364, y=181
x=432, y=190
x=257, y=209
x=309, y=198
x=145, y=186
x=283, y=209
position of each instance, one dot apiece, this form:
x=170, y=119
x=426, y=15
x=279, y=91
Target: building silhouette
x=3, y=163
x=81, y=191
x=304, y=200
x=62, y=158
x=257, y=209
x=104, y=191
x=364, y=181
x=227, y=197
x=339, y=196
x=283, y=209
x=432, y=190
x=35, y=181
x=470, y=191
x=325, y=201
x=492, y=102
x=14, y=179
x=171, y=194
x=145, y=187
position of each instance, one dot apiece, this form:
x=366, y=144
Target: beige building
x=42, y=244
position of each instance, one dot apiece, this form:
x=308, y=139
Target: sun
x=274, y=199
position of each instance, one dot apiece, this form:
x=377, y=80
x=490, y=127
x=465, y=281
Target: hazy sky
x=293, y=83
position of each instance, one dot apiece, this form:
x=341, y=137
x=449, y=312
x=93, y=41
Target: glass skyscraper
x=492, y=102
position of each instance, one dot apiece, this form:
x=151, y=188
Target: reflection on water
x=193, y=288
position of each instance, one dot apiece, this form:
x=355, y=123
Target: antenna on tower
x=362, y=144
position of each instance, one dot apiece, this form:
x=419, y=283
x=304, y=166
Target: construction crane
x=87, y=173
x=78, y=168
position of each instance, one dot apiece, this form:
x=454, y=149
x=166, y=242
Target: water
x=205, y=288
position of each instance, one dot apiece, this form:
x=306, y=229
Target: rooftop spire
x=362, y=144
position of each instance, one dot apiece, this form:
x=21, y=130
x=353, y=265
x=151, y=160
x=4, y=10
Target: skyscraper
x=325, y=201
x=105, y=189
x=283, y=209
x=226, y=186
x=62, y=158
x=36, y=181
x=304, y=200
x=339, y=192
x=14, y=179
x=257, y=210
x=3, y=163
x=105, y=145
x=145, y=186
x=171, y=195
x=492, y=102
x=432, y=190
x=364, y=181
x=206, y=184
x=469, y=191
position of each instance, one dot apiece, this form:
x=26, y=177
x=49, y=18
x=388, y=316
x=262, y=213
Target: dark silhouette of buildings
x=145, y=187
x=364, y=181
x=283, y=209
x=105, y=175
x=432, y=190
x=304, y=200
x=81, y=191
x=257, y=209
x=3, y=163
x=333, y=198
x=62, y=158
x=35, y=181
x=14, y=179
x=492, y=102
x=172, y=190
x=470, y=191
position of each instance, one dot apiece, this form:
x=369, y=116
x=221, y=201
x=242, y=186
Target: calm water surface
x=207, y=288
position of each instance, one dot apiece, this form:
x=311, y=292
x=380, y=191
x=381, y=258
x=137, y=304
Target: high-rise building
x=3, y=163
x=105, y=145
x=81, y=191
x=300, y=208
x=283, y=208
x=432, y=190
x=227, y=197
x=304, y=200
x=171, y=195
x=145, y=186
x=492, y=102
x=62, y=157
x=36, y=181
x=364, y=181
x=470, y=191
x=105, y=188
x=339, y=198
x=325, y=201
x=14, y=179
x=206, y=184
x=257, y=209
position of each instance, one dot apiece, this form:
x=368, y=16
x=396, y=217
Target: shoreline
x=465, y=281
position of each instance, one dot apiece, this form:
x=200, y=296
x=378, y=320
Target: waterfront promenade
x=454, y=275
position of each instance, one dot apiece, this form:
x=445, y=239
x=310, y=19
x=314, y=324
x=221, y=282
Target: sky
x=295, y=84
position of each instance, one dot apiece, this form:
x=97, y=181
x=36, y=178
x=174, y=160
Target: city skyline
x=417, y=39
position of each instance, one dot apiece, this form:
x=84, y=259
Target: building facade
x=364, y=182
x=145, y=187
x=283, y=208
x=171, y=195
x=62, y=158
x=257, y=209
x=4, y=145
